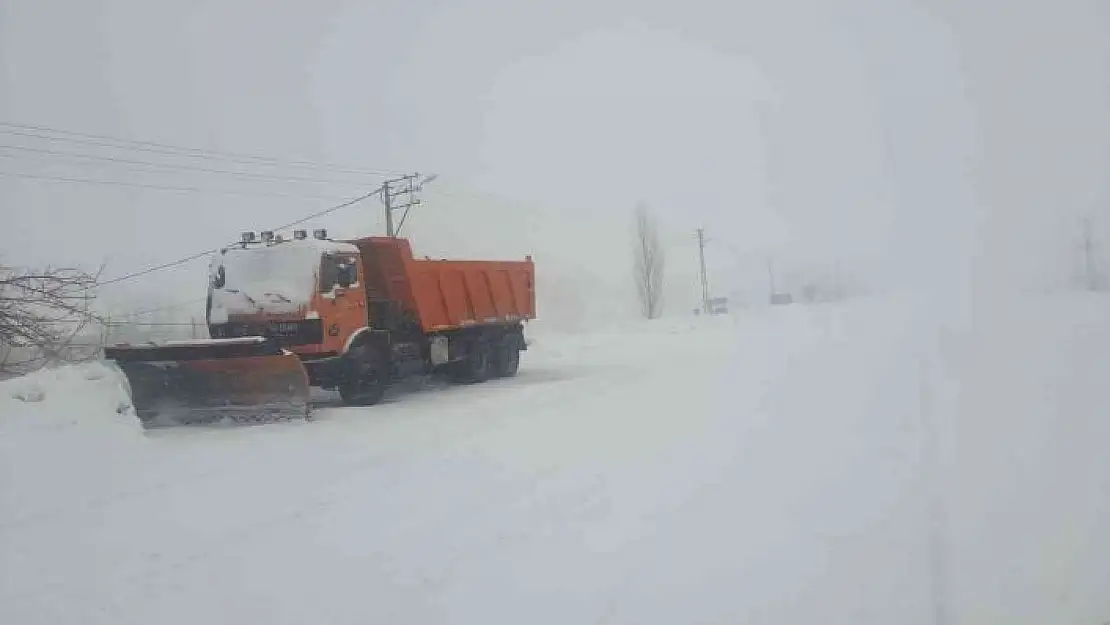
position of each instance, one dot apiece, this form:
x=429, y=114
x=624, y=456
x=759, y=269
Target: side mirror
x=220, y=279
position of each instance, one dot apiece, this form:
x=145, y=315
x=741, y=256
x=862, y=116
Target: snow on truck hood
x=274, y=279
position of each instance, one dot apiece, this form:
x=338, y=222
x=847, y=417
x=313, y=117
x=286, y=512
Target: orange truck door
x=342, y=309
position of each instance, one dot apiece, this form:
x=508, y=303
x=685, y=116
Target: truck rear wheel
x=475, y=368
x=507, y=361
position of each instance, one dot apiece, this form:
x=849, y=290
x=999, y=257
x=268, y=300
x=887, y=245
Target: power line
x=157, y=324
x=25, y=130
x=328, y=210
x=193, y=257
x=36, y=132
x=172, y=166
x=144, y=272
x=159, y=187
x=147, y=311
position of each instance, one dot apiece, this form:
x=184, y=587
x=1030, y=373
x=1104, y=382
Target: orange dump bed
x=447, y=294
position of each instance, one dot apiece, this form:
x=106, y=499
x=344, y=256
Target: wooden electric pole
x=704, y=276
x=389, y=194
x=387, y=200
x=1090, y=268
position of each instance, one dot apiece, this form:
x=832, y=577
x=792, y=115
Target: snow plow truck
x=288, y=314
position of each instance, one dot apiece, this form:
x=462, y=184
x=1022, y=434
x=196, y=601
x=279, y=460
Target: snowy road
x=767, y=468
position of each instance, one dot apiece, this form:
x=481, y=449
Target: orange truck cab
x=362, y=313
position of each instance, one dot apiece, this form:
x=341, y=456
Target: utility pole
x=704, y=276
x=1090, y=272
x=771, y=277
x=409, y=189
x=387, y=200
x=935, y=505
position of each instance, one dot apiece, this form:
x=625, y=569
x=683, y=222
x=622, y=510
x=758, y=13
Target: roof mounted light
x=300, y=235
x=320, y=234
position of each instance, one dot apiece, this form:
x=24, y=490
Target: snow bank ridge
x=89, y=393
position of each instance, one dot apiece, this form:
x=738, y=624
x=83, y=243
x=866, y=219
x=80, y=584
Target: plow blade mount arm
x=248, y=379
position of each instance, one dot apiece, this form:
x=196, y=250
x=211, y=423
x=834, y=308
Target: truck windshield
x=336, y=266
x=276, y=276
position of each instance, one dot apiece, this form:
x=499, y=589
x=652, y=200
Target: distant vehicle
x=781, y=299
x=288, y=314
x=714, y=306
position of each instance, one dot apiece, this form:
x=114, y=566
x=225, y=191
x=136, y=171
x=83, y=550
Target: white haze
x=945, y=150
x=908, y=144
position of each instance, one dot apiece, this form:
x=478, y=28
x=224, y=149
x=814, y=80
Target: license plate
x=284, y=329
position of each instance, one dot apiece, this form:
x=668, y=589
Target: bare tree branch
x=42, y=313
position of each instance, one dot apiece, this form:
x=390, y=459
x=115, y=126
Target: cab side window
x=346, y=275
x=338, y=271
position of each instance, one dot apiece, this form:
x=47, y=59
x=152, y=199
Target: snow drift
x=88, y=396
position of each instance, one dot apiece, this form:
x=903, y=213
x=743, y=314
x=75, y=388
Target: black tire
x=361, y=391
x=475, y=368
x=507, y=361
x=364, y=383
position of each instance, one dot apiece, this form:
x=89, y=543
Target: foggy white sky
x=938, y=142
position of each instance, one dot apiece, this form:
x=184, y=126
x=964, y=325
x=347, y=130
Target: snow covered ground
x=858, y=463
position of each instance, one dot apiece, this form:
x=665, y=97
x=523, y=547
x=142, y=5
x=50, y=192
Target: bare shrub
x=42, y=315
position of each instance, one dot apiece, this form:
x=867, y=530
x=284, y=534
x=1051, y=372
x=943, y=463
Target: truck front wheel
x=362, y=391
x=364, y=381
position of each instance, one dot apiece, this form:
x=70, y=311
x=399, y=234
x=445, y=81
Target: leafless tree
x=43, y=313
x=648, y=263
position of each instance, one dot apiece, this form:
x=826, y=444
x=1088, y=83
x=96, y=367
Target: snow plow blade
x=243, y=380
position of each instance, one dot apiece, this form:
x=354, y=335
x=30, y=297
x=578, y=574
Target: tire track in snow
x=397, y=422
x=478, y=498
